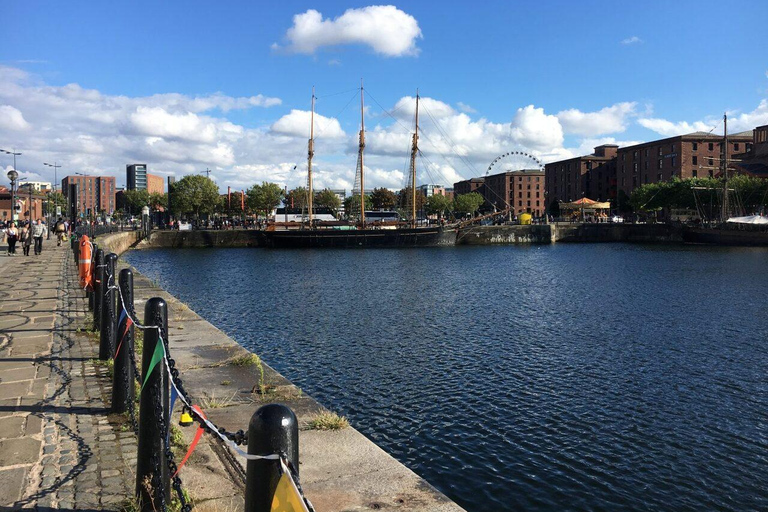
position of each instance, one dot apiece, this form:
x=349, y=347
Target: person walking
x=11, y=236
x=25, y=237
x=60, y=229
x=38, y=232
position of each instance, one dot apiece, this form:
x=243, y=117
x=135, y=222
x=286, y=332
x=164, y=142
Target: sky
x=227, y=86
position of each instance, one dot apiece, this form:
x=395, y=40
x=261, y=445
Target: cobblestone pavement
x=59, y=448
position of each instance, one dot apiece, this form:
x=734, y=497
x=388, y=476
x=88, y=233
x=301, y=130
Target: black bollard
x=108, y=320
x=122, y=380
x=98, y=282
x=152, y=478
x=273, y=429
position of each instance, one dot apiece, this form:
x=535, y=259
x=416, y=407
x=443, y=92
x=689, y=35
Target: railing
x=272, y=439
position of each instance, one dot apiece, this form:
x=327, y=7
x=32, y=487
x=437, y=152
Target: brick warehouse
x=695, y=155
x=467, y=186
x=95, y=193
x=523, y=191
x=592, y=176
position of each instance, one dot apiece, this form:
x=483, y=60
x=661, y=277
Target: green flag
x=156, y=358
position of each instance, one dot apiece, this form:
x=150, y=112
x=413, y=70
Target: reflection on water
x=562, y=377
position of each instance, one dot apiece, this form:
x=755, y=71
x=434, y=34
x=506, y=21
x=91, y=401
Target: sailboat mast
x=310, y=154
x=362, y=147
x=414, y=151
x=724, y=156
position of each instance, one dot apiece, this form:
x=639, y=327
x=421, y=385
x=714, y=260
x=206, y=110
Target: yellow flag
x=287, y=497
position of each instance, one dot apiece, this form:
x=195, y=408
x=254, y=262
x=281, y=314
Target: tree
x=404, y=198
x=326, y=198
x=55, y=199
x=194, y=194
x=157, y=201
x=438, y=204
x=232, y=205
x=468, y=203
x=265, y=197
x=135, y=200
x=352, y=206
x=383, y=199
x=297, y=198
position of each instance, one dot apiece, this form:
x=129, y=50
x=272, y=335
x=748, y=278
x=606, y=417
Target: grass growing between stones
x=214, y=402
x=109, y=364
x=327, y=420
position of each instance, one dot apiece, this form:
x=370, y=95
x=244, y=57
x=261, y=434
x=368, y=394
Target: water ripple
x=602, y=377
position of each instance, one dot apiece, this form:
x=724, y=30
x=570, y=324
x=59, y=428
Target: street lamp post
x=12, y=175
x=56, y=167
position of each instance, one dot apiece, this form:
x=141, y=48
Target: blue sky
x=536, y=76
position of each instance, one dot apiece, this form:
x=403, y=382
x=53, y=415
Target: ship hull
x=360, y=238
x=720, y=236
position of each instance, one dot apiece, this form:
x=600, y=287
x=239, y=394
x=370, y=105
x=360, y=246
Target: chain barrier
x=232, y=439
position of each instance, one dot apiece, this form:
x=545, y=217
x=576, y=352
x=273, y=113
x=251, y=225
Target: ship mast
x=310, y=154
x=362, y=147
x=414, y=151
x=724, y=213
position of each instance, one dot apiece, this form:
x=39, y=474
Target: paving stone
x=12, y=426
x=23, y=450
x=11, y=485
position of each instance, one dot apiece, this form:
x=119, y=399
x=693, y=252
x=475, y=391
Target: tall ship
x=744, y=230
x=362, y=233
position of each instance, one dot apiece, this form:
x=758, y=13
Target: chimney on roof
x=607, y=150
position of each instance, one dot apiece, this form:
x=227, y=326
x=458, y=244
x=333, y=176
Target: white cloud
x=534, y=129
x=466, y=108
x=11, y=119
x=334, y=62
x=297, y=124
x=670, y=129
x=385, y=28
x=632, y=40
x=611, y=119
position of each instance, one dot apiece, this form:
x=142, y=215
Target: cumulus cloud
x=534, y=129
x=670, y=129
x=297, y=124
x=613, y=119
x=11, y=119
x=632, y=40
x=385, y=28
x=737, y=122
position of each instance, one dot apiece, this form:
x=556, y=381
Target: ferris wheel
x=515, y=161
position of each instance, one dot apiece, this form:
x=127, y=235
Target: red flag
x=242, y=200
x=192, y=446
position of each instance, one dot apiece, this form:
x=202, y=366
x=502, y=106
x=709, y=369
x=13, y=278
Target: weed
x=245, y=360
x=211, y=402
x=226, y=382
x=327, y=420
x=109, y=364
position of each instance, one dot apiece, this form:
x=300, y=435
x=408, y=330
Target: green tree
x=135, y=200
x=468, y=203
x=352, y=206
x=232, y=205
x=404, y=198
x=55, y=199
x=438, y=204
x=328, y=199
x=157, y=201
x=297, y=198
x=383, y=199
x=194, y=194
x=265, y=197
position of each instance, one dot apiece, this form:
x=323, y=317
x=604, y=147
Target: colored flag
x=157, y=356
x=287, y=497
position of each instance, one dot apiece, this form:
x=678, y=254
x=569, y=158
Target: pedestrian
x=61, y=231
x=38, y=232
x=25, y=237
x=11, y=236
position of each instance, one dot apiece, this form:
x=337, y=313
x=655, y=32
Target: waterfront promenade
x=61, y=449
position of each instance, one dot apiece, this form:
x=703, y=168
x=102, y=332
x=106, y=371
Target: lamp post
x=12, y=175
x=56, y=167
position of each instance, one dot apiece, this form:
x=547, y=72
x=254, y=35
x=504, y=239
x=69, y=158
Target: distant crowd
x=30, y=234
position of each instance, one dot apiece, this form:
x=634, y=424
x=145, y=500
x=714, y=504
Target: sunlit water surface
x=562, y=377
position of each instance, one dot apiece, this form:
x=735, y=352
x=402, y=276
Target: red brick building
x=95, y=193
x=523, y=191
x=754, y=160
x=592, y=176
x=24, y=200
x=155, y=184
x=695, y=155
x=467, y=186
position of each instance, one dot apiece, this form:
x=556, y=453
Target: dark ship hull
x=749, y=236
x=438, y=236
